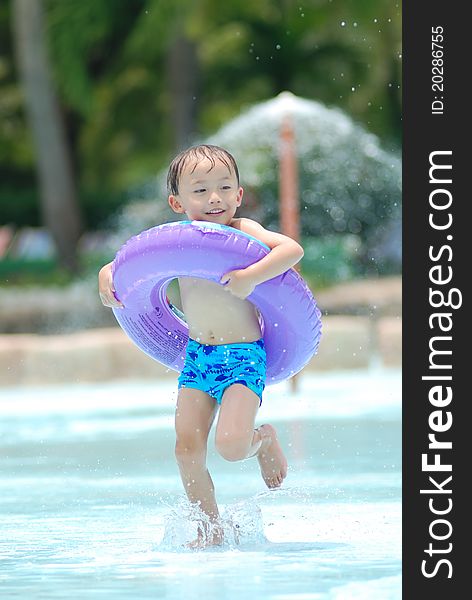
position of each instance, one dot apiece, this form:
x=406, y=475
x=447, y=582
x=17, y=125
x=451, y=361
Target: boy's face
x=207, y=192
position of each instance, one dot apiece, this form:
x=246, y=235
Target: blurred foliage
x=329, y=260
x=32, y=272
x=20, y=206
x=118, y=98
x=47, y=271
x=110, y=68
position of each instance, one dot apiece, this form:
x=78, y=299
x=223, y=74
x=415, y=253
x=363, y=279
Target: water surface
x=91, y=504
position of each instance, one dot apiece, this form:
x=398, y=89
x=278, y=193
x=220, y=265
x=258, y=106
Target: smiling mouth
x=215, y=211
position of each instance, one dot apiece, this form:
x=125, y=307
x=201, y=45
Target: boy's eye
x=199, y=190
x=226, y=187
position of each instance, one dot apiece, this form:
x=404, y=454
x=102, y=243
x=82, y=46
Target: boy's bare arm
x=284, y=254
x=106, y=288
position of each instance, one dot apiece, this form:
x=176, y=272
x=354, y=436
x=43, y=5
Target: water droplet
x=343, y=23
x=278, y=46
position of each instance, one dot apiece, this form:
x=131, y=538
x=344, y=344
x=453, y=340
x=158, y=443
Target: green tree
x=328, y=51
x=139, y=79
x=58, y=194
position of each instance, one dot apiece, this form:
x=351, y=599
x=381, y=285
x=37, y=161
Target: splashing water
x=241, y=524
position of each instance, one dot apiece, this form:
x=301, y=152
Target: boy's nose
x=214, y=198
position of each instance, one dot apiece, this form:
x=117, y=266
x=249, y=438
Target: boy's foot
x=271, y=458
x=206, y=541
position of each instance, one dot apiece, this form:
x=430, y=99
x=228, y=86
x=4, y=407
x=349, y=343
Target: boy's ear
x=175, y=205
x=240, y=195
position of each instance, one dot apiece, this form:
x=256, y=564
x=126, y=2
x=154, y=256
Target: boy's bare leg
x=236, y=438
x=194, y=415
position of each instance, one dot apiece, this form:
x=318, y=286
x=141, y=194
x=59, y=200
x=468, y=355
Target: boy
x=225, y=360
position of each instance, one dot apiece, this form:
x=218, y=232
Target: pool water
x=92, y=506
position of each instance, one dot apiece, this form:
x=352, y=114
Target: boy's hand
x=106, y=288
x=239, y=283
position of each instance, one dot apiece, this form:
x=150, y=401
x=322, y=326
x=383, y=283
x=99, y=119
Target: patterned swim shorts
x=214, y=368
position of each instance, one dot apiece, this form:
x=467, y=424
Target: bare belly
x=215, y=316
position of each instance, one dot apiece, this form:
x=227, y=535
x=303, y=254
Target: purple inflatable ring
x=145, y=265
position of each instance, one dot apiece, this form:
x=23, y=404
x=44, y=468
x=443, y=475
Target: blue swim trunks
x=214, y=368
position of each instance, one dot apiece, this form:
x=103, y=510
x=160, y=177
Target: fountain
x=349, y=187
x=348, y=184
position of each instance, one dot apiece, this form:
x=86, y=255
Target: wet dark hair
x=198, y=153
